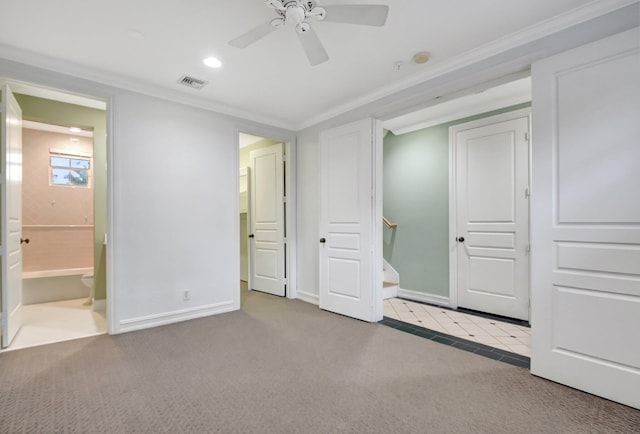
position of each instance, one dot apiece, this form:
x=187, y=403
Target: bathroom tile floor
x=503, y=335
x=45, y=323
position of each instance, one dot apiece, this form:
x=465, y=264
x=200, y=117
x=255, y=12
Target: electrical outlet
x=185, y=295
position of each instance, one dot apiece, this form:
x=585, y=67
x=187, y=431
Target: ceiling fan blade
x=367, y=15
x=313, y=47
x=243, y=41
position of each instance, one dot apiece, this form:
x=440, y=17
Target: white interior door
x=492, y=214
x=348, y=280
x=586, y=218
x=11, y=251
x=267, y=220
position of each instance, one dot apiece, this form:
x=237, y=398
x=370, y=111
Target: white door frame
x=111, y=313
x=453, y=209
x=290, y=214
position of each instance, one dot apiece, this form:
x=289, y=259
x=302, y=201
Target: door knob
x=323, y=240
x=24, y=240
x=461, y=239
x=250, y=235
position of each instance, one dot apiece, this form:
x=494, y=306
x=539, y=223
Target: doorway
x=265, y=215
x=62, y=287
x=418, y=195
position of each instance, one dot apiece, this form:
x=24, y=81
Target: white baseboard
x=100, y=305
x=438, y=300
x=150, y=321
x=308, y=297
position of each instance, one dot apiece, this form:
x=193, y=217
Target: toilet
x=87, y=280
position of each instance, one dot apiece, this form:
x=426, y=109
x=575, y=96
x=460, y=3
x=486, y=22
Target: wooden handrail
x=388, y=223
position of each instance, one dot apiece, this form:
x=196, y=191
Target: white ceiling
x=483, y=101
x=149, y=44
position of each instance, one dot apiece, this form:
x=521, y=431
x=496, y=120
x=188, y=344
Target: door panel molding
x=585, y=224
x=350, y=246
x=267, y=220
x=11, y=234
x=490, y=236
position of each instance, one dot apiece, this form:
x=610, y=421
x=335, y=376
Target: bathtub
x=54, y=285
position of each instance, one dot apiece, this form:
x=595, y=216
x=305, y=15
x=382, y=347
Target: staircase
x=391, y=281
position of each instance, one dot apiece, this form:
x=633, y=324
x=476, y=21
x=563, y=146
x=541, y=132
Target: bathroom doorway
x=63, y=206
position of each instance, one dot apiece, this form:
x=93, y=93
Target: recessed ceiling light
x=212, y=62
x=75, y=129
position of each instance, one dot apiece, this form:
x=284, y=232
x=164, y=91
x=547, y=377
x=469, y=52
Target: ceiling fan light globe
x=294, y=15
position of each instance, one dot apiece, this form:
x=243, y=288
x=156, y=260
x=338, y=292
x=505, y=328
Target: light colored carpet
x=281, y=366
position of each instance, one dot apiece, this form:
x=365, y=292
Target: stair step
x=388, y=284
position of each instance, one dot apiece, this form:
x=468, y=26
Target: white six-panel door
x=491, y=158
x=348, y=277
x=586, y=218
x=11, y=250
x=266, y=245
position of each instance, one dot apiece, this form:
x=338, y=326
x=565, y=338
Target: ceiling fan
x=297, y=13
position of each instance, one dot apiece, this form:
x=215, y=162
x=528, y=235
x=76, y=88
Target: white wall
x=174, y=209
x=173, y=202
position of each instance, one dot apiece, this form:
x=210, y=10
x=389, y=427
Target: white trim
x=291, y=216
x=150, y=321
x=377, y=226
x=99, y=305
x=437, y=300
x=309, y=297
x=453, y=209
x=112, y=313
x=83, y=72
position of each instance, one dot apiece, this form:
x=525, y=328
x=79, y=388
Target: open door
x=11, y=189
x=267, y=237
x=492, y=214
x=350, y=265
x=585, y=227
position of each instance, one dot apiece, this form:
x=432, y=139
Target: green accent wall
x=416, y=197
x=60, y=113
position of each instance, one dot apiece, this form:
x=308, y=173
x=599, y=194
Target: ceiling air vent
x=192, y=82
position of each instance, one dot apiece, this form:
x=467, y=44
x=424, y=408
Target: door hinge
x=527, y=248
x=284, y=157
x=526, y=137
x=527, y=192
x=284, y=240
x=284, y=199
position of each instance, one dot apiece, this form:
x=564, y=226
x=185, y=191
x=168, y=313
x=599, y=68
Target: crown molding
x=527, y=35
x=125, y=83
